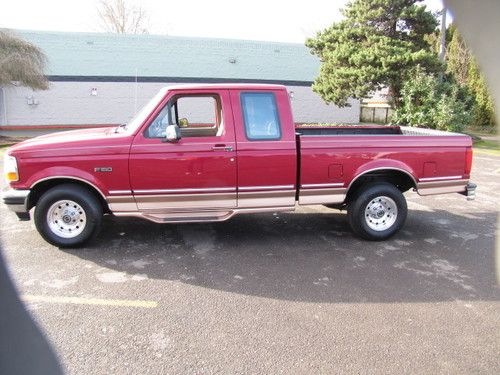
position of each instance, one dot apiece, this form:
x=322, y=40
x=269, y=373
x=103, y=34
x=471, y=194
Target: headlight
x=10, y=168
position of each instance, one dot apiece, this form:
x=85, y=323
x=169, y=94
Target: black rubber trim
x=23, y=216
x=57, y=78
x=14, y=200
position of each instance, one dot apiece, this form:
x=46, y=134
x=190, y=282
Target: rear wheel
x=377, y=211
x=68, y=215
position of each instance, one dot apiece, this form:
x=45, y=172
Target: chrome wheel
x=381, y=213
x=66, y=218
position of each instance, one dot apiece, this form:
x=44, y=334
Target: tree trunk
x=395, y=94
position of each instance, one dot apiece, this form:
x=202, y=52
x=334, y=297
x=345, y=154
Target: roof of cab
x=226, y=86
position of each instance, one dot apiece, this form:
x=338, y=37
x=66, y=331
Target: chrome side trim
x=188, y=190
x=69, y=178
x=120, y=192
x=440, y=178
x=307, y=186
x=381, y=169
x=267, y=187
x=322, y=196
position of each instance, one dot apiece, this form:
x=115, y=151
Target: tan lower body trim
x=178, y=208
x=121, y=203
x=172, y=201
x=322, y=196
x=442, y=187
x=277, y=198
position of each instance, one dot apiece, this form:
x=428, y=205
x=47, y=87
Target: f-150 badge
x=103, y=169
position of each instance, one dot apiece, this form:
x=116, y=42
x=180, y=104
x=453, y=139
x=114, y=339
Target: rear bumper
x=16, y=201
x=462, y=186
x=470, y=191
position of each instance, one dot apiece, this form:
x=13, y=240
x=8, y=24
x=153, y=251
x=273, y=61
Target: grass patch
x=488, y=130
x=487, y=146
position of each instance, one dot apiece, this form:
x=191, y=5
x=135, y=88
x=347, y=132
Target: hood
x=68, y=136
x=73, y=142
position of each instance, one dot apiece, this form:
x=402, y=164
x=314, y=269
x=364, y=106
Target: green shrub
x=483, y=111
x=463, y=67
x=429, y=102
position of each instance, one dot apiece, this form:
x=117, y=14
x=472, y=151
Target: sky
x=270, y=20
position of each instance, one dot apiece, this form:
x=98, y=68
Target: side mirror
x=173, y=133
x=183, y=122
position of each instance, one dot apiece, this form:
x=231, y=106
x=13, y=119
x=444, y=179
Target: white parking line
x=89, y=301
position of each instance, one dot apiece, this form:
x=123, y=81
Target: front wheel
x=68, y=215
x=377, y=211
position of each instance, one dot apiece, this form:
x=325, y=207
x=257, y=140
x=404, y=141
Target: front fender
x=60, y=172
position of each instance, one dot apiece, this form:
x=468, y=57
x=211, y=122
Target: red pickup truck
x=202, y=153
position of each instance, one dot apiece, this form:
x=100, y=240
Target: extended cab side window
x=260, y=115
x=196, y=116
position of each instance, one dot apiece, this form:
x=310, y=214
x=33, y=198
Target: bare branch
x=118, y=16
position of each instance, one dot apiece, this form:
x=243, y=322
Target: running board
x=197, y=216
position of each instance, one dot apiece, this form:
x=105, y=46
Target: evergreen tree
x=483, y=112
x=464, y=68
x=376, y=45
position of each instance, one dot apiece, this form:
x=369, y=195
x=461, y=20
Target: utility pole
x=442, y=47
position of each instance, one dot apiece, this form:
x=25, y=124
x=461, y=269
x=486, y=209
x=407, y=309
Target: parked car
x=203, y=153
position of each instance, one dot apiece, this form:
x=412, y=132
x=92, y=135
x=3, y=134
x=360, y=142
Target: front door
x=199, y=171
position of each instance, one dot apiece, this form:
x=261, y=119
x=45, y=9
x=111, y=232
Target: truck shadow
x=310, y=256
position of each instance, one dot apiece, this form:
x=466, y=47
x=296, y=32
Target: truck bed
x=332, y=157
x=368, y=130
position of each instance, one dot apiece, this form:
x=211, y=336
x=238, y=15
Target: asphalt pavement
x=292, y=293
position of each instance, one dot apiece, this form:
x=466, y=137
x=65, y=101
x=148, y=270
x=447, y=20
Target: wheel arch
x=399, y=177
x=39, y=187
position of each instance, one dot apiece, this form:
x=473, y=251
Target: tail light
x=468, y=160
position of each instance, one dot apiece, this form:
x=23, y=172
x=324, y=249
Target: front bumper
x=16, y=201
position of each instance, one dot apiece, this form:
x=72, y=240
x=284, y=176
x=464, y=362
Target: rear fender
x=384, y=164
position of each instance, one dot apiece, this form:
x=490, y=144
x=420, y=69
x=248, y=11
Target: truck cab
x=235, y=148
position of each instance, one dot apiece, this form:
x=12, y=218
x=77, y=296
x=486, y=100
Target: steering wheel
x=270, y=128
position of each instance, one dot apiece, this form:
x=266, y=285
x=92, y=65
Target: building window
x=260, y=115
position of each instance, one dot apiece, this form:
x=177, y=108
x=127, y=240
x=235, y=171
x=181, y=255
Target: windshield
x=141, y=116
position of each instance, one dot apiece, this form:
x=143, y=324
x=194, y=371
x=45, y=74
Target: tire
x=68, y=215
x=377, y=211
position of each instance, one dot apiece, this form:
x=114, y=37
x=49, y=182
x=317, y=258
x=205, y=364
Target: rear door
x=198, y=171
x=267, y=159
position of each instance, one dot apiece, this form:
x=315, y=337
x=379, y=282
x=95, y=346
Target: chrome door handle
x=222, y=148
